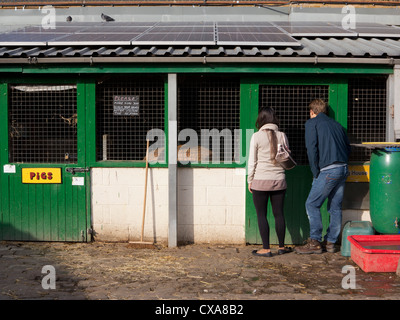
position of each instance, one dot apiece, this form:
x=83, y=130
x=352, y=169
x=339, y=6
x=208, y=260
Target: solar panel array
x=279, y=33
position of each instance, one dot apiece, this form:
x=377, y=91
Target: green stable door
x=290, y=99
x=44, y=179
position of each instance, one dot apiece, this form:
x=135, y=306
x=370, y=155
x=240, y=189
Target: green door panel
x=297, y=227
x=43, y=211
x=290, y=98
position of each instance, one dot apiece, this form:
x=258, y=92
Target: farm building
x=82, y=89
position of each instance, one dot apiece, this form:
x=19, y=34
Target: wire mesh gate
x=121, y=135
x=367, y=110
x=290, y=103
x=210, y=106
x=366, y=121
x=43, y=124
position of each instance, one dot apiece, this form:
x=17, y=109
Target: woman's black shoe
x=283, y=251
x=267, y=254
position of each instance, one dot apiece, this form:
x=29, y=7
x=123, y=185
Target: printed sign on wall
x=358, y=173
x=41, y=175
x=124, y=105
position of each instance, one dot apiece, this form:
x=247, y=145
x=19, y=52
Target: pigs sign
x=41, y=175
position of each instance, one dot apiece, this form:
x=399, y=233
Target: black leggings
x=260, y=199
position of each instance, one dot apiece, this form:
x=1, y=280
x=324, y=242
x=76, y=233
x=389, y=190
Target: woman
x=266, y=178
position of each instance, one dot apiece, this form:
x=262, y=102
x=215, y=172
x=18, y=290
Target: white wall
x=355, y=215
x=211, y=204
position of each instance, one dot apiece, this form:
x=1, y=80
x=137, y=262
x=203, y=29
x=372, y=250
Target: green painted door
x=290, y=99
x=44, y=179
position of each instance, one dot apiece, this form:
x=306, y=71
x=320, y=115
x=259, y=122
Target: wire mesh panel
x=209, y=111
x=290, y=103
x=42, y=124
x=126, y=109
x=366, y=114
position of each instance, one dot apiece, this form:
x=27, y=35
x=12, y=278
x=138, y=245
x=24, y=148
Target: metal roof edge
x=202, y=60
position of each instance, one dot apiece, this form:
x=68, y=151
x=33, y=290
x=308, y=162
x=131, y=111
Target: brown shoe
x=330, y=247
x=312, y=246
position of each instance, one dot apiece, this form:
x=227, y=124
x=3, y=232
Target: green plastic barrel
x=385, y=190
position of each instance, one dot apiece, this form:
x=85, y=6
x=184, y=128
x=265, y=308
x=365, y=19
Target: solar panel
x=300, y=23
x=335, y=29
x=27, y=39
x=256, y=33
x=110, y=29
x=250, y=33
x=254, y=39
x=185, y=23
x=120, y=39
x=377, y=31
x=178, y=33
x=249, y=29
x=245, y=23
x=57, y=29
x=314, y=29
x=175, y=38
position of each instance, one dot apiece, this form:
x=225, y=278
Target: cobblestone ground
x=214, y=272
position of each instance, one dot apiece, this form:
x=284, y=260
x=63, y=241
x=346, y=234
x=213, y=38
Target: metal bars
x=43, y=124
x=122, y=136
x=366, y=114
x=291, y=106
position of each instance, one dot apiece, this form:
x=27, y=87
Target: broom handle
x=145, y=189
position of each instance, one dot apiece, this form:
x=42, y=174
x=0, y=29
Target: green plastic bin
x=354, y=228
x=384, y=188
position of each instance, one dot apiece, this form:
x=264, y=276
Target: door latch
x=75, y=170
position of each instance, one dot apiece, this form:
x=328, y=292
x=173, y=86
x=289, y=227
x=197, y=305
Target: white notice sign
x=9, y=168
x=78, y=181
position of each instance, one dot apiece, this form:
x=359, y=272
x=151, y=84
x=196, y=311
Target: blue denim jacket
x=326, y=143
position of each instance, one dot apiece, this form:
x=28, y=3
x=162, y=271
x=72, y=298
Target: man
x=328, y=150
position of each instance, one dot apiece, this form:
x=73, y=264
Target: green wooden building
x=78, y=102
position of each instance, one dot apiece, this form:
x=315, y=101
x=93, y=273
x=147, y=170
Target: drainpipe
x=172, y=162
x=396, y=100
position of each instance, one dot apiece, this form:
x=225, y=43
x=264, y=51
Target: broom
x=141, y=243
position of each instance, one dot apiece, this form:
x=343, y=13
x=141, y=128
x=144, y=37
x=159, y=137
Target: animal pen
x=74, y=119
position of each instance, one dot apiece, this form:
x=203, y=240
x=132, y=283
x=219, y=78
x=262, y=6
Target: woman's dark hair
x=267, y=115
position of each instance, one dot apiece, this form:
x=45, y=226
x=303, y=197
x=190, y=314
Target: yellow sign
x=41, y=175
x=358, y=173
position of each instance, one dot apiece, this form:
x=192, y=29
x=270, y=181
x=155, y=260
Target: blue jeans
x=328, y=185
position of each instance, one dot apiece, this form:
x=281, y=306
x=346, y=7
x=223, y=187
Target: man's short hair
x=318, y=106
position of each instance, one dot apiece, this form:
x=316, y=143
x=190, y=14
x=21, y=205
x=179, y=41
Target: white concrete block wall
x=355, y=215
x=211, y=204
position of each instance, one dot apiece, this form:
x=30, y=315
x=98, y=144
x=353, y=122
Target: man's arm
x=312, y=147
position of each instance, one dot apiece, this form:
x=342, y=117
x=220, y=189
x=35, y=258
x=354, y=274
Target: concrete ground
x=92, y=271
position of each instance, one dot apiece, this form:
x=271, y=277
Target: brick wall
x=211, y=204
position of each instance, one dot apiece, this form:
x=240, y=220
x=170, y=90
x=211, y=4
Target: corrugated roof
x=187, y=2
x=331, y=47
